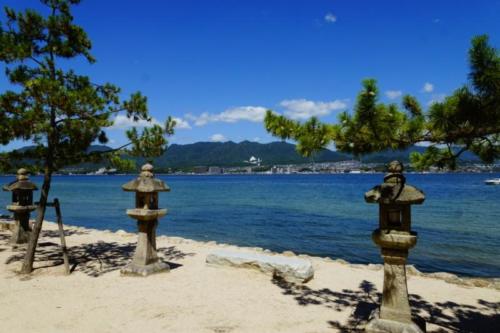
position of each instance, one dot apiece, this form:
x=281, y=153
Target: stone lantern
x=146, y=212
x=395, y=237
x=22, y=205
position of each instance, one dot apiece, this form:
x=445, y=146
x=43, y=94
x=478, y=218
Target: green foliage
x=122, y=164
x=433, y=156
x=62, y=112
x=311, y=136
x=280, y=126
x=151, y=142
x=376, y=126
x=468, y=120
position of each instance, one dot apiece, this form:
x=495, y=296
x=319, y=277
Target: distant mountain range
x=226, y=154
x=235, y=154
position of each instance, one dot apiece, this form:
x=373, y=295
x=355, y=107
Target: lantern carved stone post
x=146, y=188
x=22, y=206
x=395, y=237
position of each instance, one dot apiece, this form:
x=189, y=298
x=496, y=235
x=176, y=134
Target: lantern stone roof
x=394, y=189
x=145, y=182
x=22, y=182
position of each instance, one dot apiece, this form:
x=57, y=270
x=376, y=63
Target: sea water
x=323, y=215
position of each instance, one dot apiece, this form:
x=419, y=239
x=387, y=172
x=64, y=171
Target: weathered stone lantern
x=22, y=205
x=146, y=188
x=395, y=237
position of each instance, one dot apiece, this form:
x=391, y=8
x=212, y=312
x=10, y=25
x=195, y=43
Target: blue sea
x=321, y=215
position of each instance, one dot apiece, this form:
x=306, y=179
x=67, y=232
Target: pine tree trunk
x=52, y=139
x=42, y=206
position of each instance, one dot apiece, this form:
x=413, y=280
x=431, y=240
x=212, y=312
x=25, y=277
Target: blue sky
x=218, y=65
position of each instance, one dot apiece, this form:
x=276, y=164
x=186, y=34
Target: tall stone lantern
x=395, y=237
x=22, y=205
x=146, y=212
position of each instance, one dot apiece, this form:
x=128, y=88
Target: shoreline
x=197, y=297
x=470, y=281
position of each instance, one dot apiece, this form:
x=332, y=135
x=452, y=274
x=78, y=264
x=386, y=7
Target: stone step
x=296, y=270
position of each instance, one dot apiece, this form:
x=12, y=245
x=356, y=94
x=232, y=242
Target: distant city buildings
x=349, y=166
x=215, y=170
x=200, y=169
x=257, y=167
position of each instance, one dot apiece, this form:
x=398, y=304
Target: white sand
x=197, y=298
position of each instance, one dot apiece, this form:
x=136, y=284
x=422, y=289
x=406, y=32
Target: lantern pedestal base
x=146, y=261
x=20, y=233
x=133, y=269
x=377, y=325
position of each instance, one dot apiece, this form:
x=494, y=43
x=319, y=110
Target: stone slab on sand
x=195, y=297
x=290, y=269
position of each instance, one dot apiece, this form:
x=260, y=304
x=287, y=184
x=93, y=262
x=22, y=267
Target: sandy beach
x=195, y=297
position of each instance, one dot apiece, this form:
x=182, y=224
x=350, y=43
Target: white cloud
x=232, y=115
x=304, y=109
x=256, y=139
x=330, y=18
x=218, y=138
x=393, y=94
x=428, y=87
x=181, y=123
x=123, y=122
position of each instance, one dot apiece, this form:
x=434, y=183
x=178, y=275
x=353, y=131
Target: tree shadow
x=447, y=316
x=93, y=259
x=100, y=258
x=67, y=233
x=4, y=238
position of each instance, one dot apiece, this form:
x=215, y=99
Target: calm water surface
x=323, y=215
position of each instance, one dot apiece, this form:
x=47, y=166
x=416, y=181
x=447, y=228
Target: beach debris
x=147, y=213
x=395, y=238
x=22, y=206
x=290, y=269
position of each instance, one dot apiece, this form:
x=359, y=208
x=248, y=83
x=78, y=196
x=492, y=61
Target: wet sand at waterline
x=194, y=297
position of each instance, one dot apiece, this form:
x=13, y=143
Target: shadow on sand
x=94, y=259
x=100, y=258
x=4, y=238
x=67, y=233
x=448, y=316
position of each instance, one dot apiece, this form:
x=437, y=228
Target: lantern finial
x=395, y=167
x=147, y=171
x=22, y=174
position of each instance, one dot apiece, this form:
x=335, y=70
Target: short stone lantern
x=146, y=188
x=22, y=205
x=395, y=237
